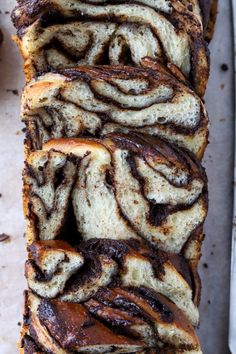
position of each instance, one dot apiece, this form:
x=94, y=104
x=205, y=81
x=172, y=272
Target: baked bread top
x=114, y=321
x=54, y=34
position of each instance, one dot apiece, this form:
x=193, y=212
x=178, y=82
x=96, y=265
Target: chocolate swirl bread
x=98, y=100
x=114, y=321
x=120, y=187
x=54, y=34
x=114, y=195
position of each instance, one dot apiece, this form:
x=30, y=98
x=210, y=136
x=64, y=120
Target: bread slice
x=108, y=262
x=60, y=33
x=121, y=187
x=50, y=265
x=99, y=100
x=116, y=321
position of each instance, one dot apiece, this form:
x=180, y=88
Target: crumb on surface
x=14, y=91
x=4, y=237
x=224, y=67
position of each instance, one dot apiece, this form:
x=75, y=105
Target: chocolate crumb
x=15, y=92
x=24, y=234
x=212, y=253
x=0, y=195
x=4, y=237
x=222, y=86
x=205, y=265
x=209, y=302
x=224, y=67
x=7, y=12
x=18, y=323
x=3, y=267
x=23, y=130
x=213, y=245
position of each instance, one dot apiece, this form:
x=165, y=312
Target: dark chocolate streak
x=157, y=212
x=114, y=102
x=143, y=145
x=91, y=268
x=117, y=250
x=110, y=298
x=50, y=15
x=29, y=345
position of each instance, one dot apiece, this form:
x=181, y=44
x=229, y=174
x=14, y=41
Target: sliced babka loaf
x=54, y=34
x=120, y=187
x=98, y=100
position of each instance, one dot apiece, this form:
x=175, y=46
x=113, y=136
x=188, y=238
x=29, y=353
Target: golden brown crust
x=59, y=327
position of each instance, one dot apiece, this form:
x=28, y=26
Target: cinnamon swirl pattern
x=149, y=190
x=54, y=34
x=99, y=100
x=114, y=321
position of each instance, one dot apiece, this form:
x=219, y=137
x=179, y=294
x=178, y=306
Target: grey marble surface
x=218, y=159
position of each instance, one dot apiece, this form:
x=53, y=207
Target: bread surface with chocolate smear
x=114, y=321
x=98, y=100
x=54, y=34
